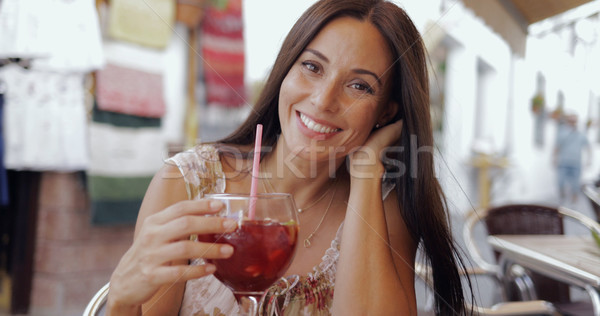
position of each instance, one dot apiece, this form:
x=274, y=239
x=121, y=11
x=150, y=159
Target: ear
x=388, y=113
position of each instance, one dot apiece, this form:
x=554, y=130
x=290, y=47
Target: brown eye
x=363, y=87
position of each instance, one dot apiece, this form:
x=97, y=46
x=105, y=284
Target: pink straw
x=255, y=171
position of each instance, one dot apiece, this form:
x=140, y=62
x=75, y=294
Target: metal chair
x=526, y=219
x=593, y=195
x=520, y=308
x=96, y=305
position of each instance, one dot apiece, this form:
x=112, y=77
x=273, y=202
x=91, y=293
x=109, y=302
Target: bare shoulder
x=166, y=188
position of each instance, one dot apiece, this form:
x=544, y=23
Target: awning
x=536, y=10
x=511, y=18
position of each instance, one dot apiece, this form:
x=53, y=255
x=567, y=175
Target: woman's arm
x=153, y=271
x=375, y=273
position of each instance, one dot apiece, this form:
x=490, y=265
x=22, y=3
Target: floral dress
x=310, y=294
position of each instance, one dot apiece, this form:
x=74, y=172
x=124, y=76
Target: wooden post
x=484, y=162
x=190, y=13
x=191, y=115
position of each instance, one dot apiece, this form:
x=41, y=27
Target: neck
x=290, y=172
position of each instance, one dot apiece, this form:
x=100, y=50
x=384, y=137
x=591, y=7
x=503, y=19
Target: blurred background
x=95, y=94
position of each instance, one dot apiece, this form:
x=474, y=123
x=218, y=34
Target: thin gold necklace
x=302, y=209
x=307, y=243
x=307, y=239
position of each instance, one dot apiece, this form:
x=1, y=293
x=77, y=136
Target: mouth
x=317, y=127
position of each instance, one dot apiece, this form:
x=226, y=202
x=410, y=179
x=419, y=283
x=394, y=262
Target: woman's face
x=334, y=94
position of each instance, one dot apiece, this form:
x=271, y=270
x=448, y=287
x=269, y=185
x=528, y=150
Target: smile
x=316, y=127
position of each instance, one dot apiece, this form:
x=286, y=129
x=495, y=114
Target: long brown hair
x=420, y=197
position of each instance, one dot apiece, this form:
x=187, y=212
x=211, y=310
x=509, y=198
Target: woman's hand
x=161, y=250
x=365, y=162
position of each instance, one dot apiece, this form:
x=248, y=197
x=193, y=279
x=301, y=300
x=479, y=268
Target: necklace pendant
x=300, y=211
x=306, y=243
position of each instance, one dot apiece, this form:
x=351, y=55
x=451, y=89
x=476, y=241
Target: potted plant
x=537, y=103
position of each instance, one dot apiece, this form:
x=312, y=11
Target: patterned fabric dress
x=310, y=294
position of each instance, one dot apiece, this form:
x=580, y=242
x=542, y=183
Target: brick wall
x=72, y=259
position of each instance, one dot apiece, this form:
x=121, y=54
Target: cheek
x=283, y=99
x=361, y=125
x=364, y=119
x=286, y=93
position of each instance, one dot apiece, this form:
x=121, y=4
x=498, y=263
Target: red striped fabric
x=223, y=55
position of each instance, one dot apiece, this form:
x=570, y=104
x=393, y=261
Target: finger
x=179, y=273
x=388, y=134
x=182, y=227
x=191, y=250
x=188, y=207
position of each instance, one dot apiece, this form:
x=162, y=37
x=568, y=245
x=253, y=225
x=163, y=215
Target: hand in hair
x=366, y=160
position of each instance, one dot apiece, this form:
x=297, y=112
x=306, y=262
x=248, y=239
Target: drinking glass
x=264, y=244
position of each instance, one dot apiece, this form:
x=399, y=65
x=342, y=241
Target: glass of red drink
x=264, y=244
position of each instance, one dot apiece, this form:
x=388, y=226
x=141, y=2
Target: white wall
x=474, y=118
x=267, y=22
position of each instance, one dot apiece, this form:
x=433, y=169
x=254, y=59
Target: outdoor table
x=574, y=260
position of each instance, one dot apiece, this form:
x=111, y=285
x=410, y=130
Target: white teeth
x=314, y=126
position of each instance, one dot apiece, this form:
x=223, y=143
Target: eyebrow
x=358, y=70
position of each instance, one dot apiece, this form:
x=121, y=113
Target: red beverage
x=263, y=251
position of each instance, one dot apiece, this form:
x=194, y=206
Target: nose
x=325, y=97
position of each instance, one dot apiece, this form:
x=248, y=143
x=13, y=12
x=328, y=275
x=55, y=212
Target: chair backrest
x=530, y=219
x=96, y=305
x=593, y=195
x=519, y=219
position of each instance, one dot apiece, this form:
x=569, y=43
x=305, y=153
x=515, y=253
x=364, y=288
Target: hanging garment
x=222, y=41
x=128, y=149
x=149, y=22
x=44, y=120
x=123, y=161
x=132, y=81
x=61, y=35
x=169, y=64
x=123, y=120
x=22, y=25
x=73, y=36
x=130, y=91
x=45, y=113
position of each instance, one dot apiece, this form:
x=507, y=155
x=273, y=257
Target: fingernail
x=210, y=268
x=226, y=250
x=229, y=224
x=216, y=205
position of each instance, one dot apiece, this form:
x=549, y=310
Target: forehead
x=351, y=41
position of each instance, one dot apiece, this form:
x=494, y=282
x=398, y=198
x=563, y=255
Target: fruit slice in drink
x=263, y=251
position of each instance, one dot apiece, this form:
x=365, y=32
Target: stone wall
x=72, y=258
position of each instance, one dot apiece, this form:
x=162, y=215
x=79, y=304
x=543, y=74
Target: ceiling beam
x=520, y=19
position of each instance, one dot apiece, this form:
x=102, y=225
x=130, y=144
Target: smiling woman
x=345, y=110
x=335, y=92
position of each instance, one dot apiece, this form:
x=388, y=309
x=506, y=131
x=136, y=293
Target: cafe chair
x=518, y=308
x=522, y=219
x=96, y=305
x=593, y=195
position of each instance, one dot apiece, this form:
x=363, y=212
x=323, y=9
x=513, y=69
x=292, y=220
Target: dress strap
x=201, y=170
